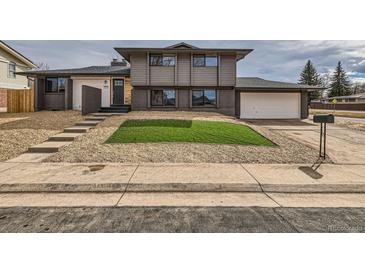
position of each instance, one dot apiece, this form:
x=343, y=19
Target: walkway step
x=98, y=114
x=77, y=129
x=95, y=118
x=62, y=137
x=48, y=147
x=87, y=123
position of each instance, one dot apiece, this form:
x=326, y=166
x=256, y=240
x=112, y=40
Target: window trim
x=57, y=85
x=162, y=60
x=205, y=60
x=163, y=102
x=11, y=73
x=204, y=105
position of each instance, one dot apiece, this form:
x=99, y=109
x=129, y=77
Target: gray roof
x=92, y=70
x=181, y=47
x=260, y=84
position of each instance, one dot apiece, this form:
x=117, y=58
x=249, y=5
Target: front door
x=118, y=91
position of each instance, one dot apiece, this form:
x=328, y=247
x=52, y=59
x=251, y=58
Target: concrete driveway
x=344, y=146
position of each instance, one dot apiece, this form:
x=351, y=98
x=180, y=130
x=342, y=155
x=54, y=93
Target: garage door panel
x=270, y=105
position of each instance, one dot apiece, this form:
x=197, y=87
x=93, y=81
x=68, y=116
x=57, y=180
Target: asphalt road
x=169, y=219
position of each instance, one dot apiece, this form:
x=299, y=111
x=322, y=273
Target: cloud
x=276, y=60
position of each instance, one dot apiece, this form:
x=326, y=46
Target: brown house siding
x=204, y=76
x=184, y=99
x=183, y=69
x=139, y=99
x=139, y=69
x=304, y=105
x=227, y=70
x=163, y=76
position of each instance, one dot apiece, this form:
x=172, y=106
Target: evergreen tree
x=339, y=84
x=309, y=76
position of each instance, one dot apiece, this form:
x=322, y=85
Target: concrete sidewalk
x=134, y=178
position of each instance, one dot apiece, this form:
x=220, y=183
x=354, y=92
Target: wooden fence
x=20, y=100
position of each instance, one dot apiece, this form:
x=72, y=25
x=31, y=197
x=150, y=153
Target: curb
x=178, y=187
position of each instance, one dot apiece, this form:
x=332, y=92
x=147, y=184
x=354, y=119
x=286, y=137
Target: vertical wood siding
x=20, y=100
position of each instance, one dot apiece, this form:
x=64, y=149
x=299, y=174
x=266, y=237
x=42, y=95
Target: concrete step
x=95, y=118
x=87, y=123
x=98, y=114
x=77, y=129
x=48, y=147
x=64, y=137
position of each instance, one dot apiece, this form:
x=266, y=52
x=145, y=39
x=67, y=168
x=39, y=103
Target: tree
x=42, y=66
x=340, y=85
x=309, y=76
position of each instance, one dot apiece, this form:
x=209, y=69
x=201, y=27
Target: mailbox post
x=323, y=119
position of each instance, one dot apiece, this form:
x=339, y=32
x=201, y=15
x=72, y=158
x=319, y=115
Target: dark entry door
x=118, y=91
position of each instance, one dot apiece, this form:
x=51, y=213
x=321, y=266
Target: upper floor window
x=55, y=84
x=202, y=60
x=12, y=70
x=162, y=60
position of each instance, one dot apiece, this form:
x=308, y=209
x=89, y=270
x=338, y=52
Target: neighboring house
x=179, y=77
x=11, y=62
x=354, y=98
x=348, y=102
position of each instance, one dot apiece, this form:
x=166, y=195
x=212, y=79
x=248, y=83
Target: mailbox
x=324, y=118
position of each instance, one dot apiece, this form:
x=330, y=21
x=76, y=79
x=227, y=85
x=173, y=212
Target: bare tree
x=42, y=66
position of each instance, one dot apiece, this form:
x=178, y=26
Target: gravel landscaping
x=19, y=131
x=91, y=147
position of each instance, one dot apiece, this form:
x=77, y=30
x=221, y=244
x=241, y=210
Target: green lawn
x=186, y=131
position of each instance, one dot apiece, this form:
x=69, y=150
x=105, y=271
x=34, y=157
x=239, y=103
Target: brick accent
x=3, y=97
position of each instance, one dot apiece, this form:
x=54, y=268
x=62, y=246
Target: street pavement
x=181, y=219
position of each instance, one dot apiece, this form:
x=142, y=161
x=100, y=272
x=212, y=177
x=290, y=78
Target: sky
x=272, y=60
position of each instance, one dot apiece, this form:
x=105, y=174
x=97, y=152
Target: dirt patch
x=91, y=147
x=351, y=125
x=19, y=131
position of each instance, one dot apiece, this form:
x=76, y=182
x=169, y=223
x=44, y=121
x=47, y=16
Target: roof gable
x=17, y=55
x=181, y=45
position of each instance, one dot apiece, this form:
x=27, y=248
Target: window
x=12, y=70
x=168, y=61
x=155, y=60
x=55, y=84
x=162, y=60
x=163, y=98
x=201, y=60
x=211, y=61
x=204, y=98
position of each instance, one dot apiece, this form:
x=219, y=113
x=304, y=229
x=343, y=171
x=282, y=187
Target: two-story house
x=12, y=62
x=183, y=77
x=178, y=77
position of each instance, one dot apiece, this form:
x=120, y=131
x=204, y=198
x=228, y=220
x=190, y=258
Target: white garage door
x=270, y=105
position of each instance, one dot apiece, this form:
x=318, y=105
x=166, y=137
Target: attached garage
x=270, y=105
x=257, y=98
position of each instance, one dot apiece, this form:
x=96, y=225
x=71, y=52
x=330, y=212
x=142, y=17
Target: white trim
x=12, y=86
x=17, y=55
